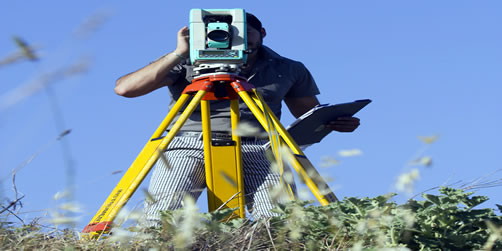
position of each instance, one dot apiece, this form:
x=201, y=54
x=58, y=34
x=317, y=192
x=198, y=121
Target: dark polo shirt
x=275, y=78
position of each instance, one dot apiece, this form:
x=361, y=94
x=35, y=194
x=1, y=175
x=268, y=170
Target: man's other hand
x=344, y=124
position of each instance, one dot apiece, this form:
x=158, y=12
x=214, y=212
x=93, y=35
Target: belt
x=216, y=136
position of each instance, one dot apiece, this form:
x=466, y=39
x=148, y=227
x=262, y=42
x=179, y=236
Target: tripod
x=223, y=160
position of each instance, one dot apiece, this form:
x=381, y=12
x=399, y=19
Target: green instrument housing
x=218, y=36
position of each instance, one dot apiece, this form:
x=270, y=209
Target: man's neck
x=251, y=61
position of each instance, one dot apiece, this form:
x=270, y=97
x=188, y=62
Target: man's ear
x=263, y=33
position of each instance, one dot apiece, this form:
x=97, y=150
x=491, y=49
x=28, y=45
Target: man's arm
x=153, y=76
x=299, y=106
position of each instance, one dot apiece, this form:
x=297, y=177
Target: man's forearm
x=148, y=78
x=299, y=106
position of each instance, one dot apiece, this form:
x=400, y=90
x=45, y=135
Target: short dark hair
x=253, y=21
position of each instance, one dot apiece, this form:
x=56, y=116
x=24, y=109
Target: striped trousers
x=185, y=175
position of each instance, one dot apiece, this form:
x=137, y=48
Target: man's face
x=254, y=37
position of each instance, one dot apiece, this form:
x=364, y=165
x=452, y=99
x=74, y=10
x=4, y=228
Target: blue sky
x=430, y=67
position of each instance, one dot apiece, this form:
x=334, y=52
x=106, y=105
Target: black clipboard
x=310, y=128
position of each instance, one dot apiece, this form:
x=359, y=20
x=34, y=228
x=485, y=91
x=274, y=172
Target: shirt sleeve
x=304, y=84
x=176, y=73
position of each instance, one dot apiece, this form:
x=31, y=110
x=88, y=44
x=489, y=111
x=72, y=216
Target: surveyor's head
x=255, y=32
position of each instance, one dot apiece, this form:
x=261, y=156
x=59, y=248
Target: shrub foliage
x=447, y=221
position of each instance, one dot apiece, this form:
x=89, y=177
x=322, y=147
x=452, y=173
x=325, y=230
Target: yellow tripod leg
x=223, y=164
x=300, y=163
x=136, y=173
x=276, y=146
x=239, y=171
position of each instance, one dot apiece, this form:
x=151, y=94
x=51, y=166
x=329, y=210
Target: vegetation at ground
x=450, y=220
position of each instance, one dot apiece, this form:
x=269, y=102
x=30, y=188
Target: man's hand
x=153, y=76
x=344, y=124
x=183, y=45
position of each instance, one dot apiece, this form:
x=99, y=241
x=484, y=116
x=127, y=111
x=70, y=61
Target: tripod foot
x=104, y=226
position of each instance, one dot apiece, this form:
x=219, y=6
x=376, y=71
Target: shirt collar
x=267, y=53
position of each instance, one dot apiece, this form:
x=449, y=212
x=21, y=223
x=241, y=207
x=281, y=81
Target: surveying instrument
x=218, y=50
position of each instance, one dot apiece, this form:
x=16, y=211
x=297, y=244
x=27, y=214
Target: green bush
x=440, y=222
x=448, y=221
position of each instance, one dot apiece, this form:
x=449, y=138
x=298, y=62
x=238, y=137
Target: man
x=276, y=78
